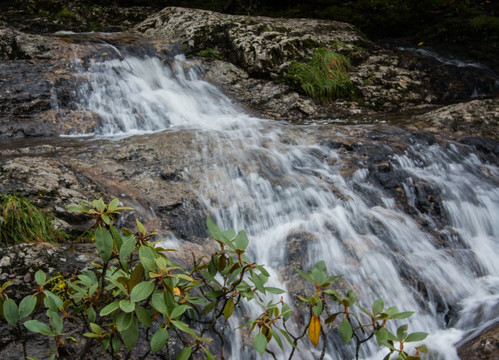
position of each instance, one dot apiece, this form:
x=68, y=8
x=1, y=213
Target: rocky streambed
x=405, y=101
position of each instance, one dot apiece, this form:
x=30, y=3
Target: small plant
x=324, y=78
x=137, y=289
x=210, y=53
x=21, y=221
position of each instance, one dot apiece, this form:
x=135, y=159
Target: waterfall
x=302, y=200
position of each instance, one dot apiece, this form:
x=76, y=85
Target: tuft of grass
x=323, y=78
x=21, y=221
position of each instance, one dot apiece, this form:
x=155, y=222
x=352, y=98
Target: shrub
x=137, y=286
x=21, y=221
x=324, y=78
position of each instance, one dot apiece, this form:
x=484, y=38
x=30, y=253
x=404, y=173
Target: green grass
x=324, y=78
x=21, y=221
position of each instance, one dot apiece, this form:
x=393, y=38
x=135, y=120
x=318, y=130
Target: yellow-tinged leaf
x=176, y=290
x=314, y=330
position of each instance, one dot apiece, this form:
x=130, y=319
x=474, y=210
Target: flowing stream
x=301, y=200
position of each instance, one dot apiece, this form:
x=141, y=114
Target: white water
x=275, y=189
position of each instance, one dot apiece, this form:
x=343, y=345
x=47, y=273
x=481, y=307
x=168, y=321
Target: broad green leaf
x=113, y=204
x=286, y=335
x=56, y=321
x=402, y=332
x=381, y=336
x=147, y=256
x=178, y=311
x=117, y=238
x=305, y=275
x=416, y=336
x=314, y=330
x=38, y=327
x=259, y=281
x=229, y=308
x=159, y=340
x=260, y=343
x=317, y=309
x=26, y=306
x=130, y=335
x=144, y=316
x=158, y=302
x=95, y=328
x=91, y=314
x=184, y=354
x=99, y=204
x=286, y=312
x=208, y=308
x=346, y=330
x=106, y=219
x=141, y=227
x=116, y=344
x=104, y=243
x=123, y=321
x=11, y=312
x=402, y=315
x=378, y=306
x=40, y=277
x=241, y=240
x=274, y=290
x=106, y=342
x=52, y=301
x=108, y=309
x=127, y=306
x=184, y=327
x=126, y=249
x=141, y=291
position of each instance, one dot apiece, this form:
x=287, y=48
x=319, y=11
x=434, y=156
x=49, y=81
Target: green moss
x=64, y=14
x=324, y=78
x=210, y=53
x=21, y=221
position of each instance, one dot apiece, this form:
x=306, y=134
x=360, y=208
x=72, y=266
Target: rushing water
x=296, y=191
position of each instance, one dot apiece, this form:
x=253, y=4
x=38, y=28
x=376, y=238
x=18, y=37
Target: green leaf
x=106, y=342
x=40, y=278
x=52, y=301
x=208, y=308
x=104, y=243
x=141, y=291
x=38, y=327
x=184, y=354
x=144, y=316
x=99, y=204
x=286, y=312
x=96, y=329
x=159, y=340
x=113, y=204
x=274, y=290
x=116, y=344
x=127, y=306
x=158, y=302
x=378, y=306
x=11, y=312
x=381, y=336
x=123, y=321
x=241, y=240
x=259, y=281
x=317, y=309
x=91, y=314
x=147, y=256
x=178, y=311
x=108, y=309
x=229, y=308
x=305, y=275
x=346, y=330
x=402, y=315
x=106, y=219
x=56, y=321
x=208, y=354
x=183, y=327
x=26, y=306
x=416, y=336
x=130, y=335
x=286, y=335
x=276, y=337
x=126, y=249
x=402, y=332
x=141, y=227
x=260, y=343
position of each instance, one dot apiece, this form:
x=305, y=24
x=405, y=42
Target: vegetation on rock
x=137, y=290
x=323, y=78
x=21, y=221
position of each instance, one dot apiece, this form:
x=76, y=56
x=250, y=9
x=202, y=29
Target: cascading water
x=302, y=200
